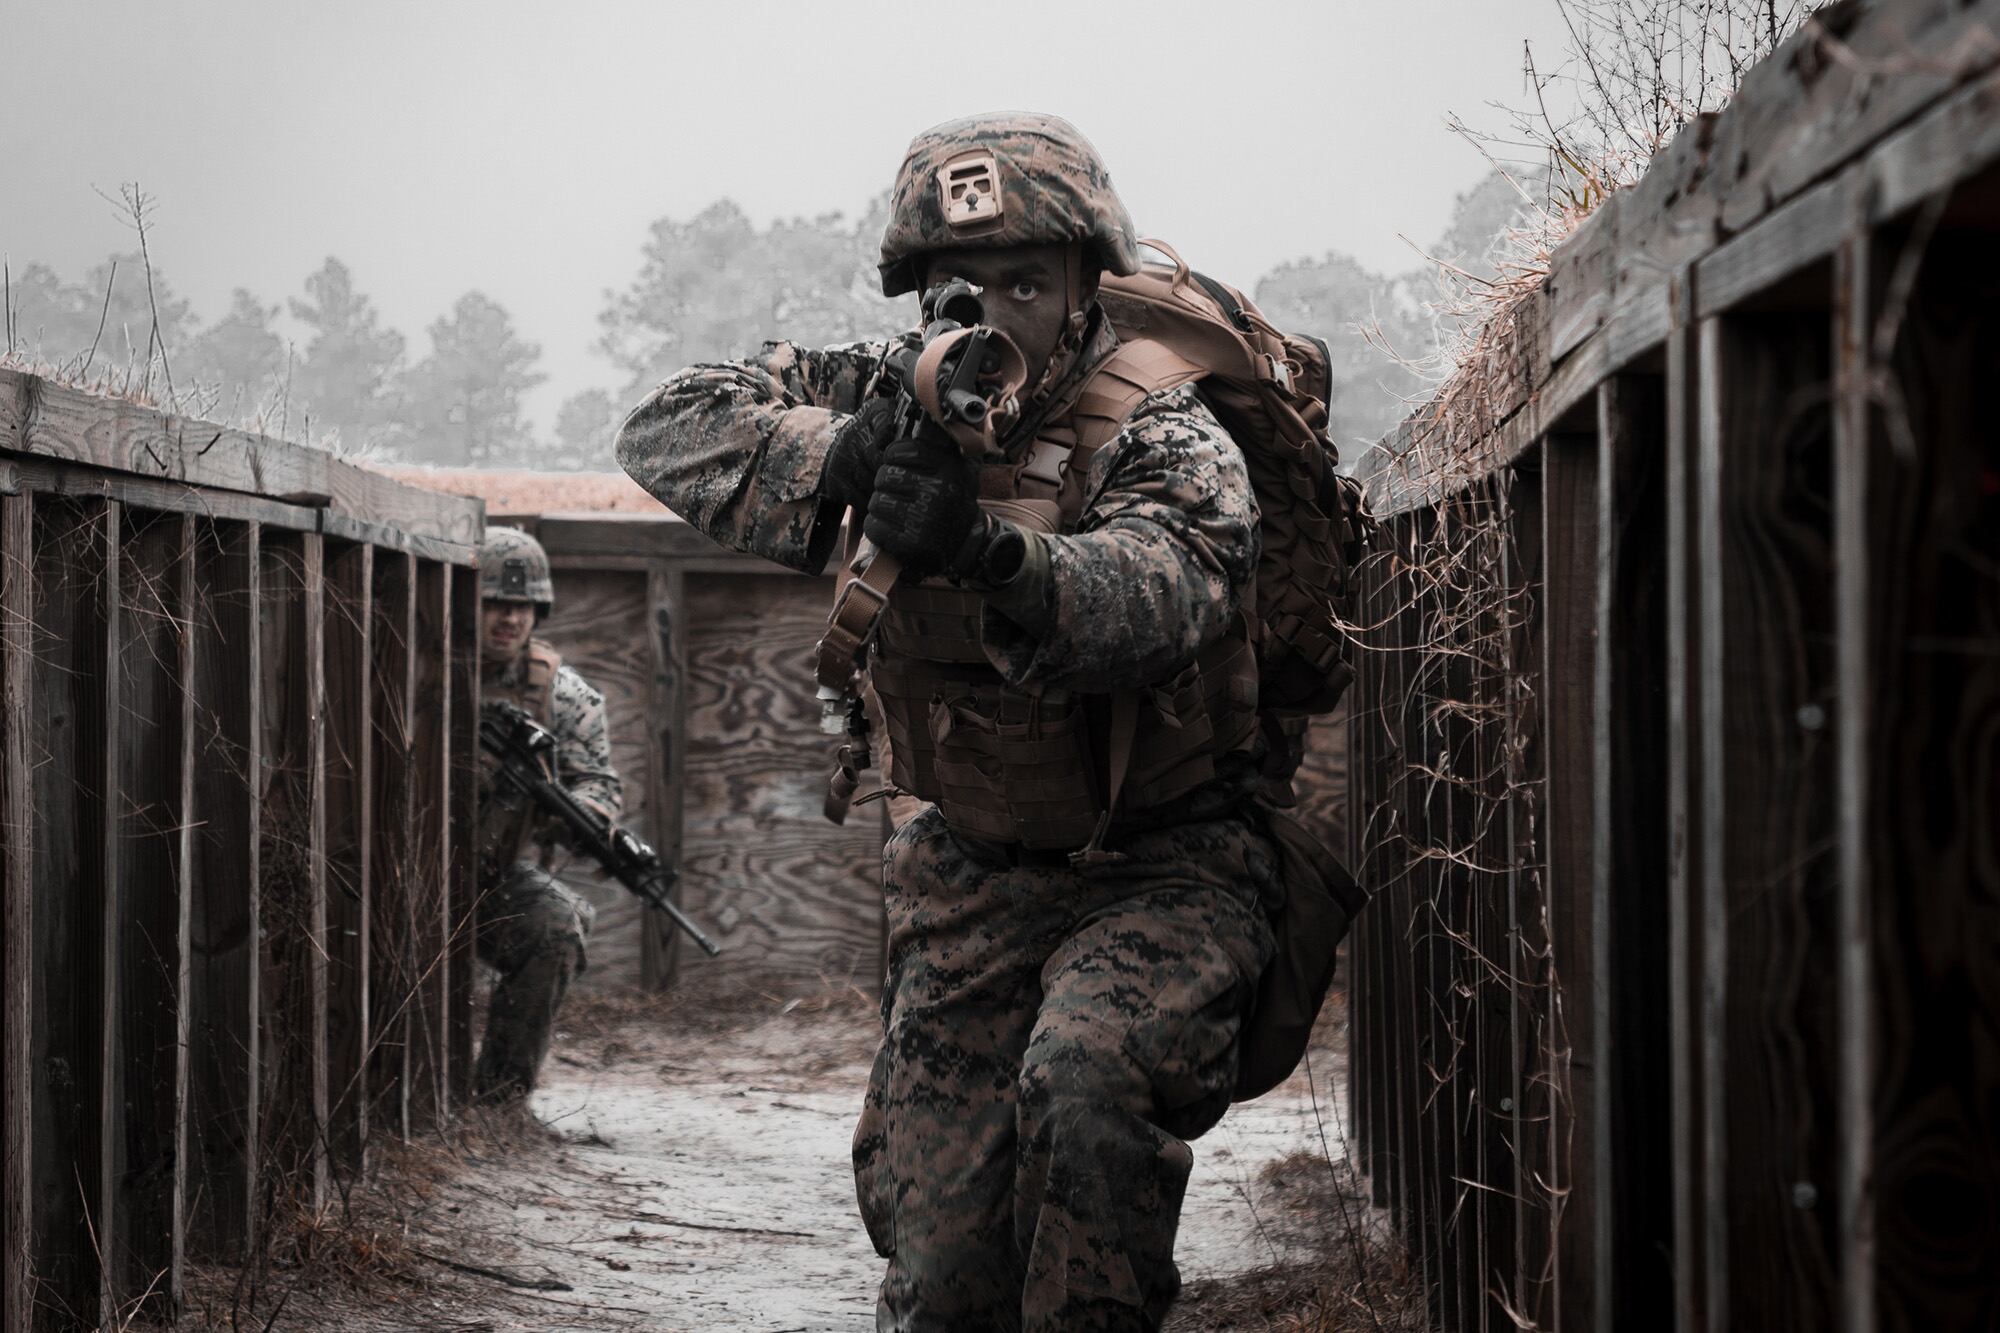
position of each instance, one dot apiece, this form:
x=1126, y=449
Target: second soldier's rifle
x=956, y=378
x=525, y=751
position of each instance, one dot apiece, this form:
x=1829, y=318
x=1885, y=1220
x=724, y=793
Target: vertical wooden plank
x=1534, y=1174
x=17, y=868
x=293, y=870
x=659, y=945
x=1917, y=524
x=462, y=763
x=110, y=1120
x=224, y=978
x=71, y=658
x=350, y=783
x=148, y=924
x=314, y=606
x=186, y=813
x=392, y=955
x=1683, y=766
x=1767, y=891
x=1632, y=1133
x=1854, y=468
x=430, y=648
x=1570, y=646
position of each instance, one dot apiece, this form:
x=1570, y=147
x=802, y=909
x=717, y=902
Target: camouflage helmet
x=1006, y=178
x=513, y=567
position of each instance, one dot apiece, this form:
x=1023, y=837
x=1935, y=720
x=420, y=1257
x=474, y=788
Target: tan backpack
x=1270, y=390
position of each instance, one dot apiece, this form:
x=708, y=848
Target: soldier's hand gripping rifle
x=526, y=751
x=956, y=379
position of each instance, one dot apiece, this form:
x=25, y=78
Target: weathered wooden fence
x=1677, y=740
x=238, y=694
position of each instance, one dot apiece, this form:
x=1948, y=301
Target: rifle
x=525, y=750
x=956, y=379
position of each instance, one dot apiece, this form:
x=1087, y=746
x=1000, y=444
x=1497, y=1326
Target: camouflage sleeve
x=583, y=744
x=737, y=448
x=1163, y=554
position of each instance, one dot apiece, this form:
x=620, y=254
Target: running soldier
x=531, y=928
x=1078, y=915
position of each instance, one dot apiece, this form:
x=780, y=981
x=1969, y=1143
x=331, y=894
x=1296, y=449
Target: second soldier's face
x=1024, y=290
x=504, y=628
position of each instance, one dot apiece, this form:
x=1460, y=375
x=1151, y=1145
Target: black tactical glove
x=925, y=509
x=856, y=454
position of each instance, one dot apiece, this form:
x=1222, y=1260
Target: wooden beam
x=110, y=1120
x=50, y=420
x=186, y=813
x=17, y=870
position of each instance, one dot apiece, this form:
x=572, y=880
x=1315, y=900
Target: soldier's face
x=504, y=628
x=1024, y=289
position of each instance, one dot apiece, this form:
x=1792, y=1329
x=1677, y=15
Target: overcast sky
x=523, y=149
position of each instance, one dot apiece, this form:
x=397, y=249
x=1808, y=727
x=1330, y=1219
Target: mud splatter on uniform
x=532, y=928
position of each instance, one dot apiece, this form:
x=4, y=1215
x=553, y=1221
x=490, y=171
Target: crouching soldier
x=1075, y=938
x=531, y=928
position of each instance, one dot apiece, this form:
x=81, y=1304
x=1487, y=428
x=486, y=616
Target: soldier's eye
x=1024, y=291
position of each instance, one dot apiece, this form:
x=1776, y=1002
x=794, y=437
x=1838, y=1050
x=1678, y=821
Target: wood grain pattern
x=1920, y=611
x=1768, y=1003
x=602, y=627
x=794, y=900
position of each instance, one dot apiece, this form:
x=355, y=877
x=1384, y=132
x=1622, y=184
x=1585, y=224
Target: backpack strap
x=543, y=663
x=1061, y=453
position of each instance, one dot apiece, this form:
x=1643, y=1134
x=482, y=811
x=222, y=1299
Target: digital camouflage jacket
x=1153, y=572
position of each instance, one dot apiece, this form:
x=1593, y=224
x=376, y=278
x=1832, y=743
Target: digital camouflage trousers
x=1052, y=1036
x=532, y=932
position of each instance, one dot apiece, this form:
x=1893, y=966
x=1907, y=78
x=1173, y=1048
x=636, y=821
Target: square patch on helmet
x=969, y=186
x=514, y=577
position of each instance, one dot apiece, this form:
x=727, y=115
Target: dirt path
x=701, y=1183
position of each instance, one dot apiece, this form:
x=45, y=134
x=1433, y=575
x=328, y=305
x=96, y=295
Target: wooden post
x=1632, y=1131
x=17, y=868
x=146, y=930
x=1768, y=1005
x=1916, y=520
x=1570, y=649
x=186, y=812
x=430, y=648
x=392, y=985
x=462, y=803
x=659, y=942
x=224, y=977
x=312, y=547
x=350, y=808
x=1684, y=812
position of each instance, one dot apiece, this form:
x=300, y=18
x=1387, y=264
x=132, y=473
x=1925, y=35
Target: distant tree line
x=709, y=287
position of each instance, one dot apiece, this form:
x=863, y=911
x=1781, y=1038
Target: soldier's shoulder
x=1175, y=426
x=573, y=690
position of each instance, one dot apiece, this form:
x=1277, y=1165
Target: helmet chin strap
x=1076, y=323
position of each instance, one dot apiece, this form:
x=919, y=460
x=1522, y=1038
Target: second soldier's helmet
x=1008, y=178
x=513, y=567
